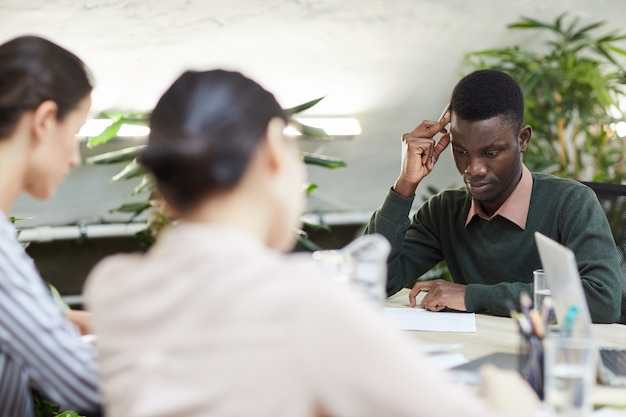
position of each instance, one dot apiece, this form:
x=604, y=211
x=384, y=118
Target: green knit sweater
x=496, y=259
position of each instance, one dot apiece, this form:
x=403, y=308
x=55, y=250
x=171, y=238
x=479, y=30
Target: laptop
x=565, y=285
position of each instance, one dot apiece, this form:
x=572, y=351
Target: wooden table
x=500, y=334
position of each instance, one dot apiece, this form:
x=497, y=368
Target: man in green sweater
x=485, y=229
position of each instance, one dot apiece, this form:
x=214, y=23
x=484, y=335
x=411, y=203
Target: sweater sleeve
x=586, y=231
x=492, y=297
x=408, y=258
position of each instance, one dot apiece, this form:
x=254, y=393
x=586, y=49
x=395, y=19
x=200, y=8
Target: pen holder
x=531, y=366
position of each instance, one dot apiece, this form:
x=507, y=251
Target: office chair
x=612, y=198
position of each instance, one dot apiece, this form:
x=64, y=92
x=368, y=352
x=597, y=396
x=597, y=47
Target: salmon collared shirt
x=514, y=209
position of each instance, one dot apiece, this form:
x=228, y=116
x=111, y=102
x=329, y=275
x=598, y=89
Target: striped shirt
x=39, y=348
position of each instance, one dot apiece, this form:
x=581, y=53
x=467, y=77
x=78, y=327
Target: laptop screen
x=565, y=284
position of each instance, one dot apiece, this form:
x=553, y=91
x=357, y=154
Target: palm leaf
x=135, y=208
x=323, y=161
x=302, y=107
x=583, y=31
x=107, y=134
x=132, y=170
x=310, y=188
x=117, y=156
x=308, y=244
x=145, y=185
x=314, y=224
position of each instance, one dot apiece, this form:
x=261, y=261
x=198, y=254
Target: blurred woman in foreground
x=45, y=95
x=215, y=320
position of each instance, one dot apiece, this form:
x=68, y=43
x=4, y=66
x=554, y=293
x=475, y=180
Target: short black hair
x=203, y=133
x=484, y=94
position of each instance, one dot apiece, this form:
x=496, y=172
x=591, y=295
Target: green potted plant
x=573, y=84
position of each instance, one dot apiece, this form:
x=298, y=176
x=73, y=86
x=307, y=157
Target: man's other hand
x=442, y=294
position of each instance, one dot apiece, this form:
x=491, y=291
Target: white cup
x=335, y=263
x=570, y=375
x=362, y=265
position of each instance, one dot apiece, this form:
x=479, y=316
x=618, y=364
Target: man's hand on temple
x=420, y=153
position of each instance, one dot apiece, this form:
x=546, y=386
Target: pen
x=535, y=320
x=443, y=114
x=525, y=303
x=568, y=323
x=524, y=325
x=546, y=307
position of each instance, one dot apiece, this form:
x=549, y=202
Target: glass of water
x=570, y=375
x=541, y=292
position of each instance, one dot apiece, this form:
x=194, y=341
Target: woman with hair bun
x=216, y=320
x=45, y=96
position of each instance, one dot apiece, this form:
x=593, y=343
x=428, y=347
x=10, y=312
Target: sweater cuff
x=475, y=297
x=396, y=206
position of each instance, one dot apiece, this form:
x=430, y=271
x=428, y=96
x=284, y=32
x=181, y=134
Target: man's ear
x=275, y=141
x=44, y=119
x=524, y=137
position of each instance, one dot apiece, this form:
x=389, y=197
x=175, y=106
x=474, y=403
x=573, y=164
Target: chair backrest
x=612, y=197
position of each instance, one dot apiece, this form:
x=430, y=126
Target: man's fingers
x=412, y=296
x=417, y=288
x=429, y=301
x=439, y=147
x=429, y=128
x=445, y=118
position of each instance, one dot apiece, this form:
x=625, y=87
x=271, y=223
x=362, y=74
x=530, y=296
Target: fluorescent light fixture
x=333, y=126
x=133, y=131
x=93, y=127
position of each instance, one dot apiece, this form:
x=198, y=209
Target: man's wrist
x=405, y=189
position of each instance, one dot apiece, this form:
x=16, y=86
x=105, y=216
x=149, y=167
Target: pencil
x=535, y=320
x=443, y=114
x=546, y=307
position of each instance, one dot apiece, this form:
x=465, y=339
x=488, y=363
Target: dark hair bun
x=203, y=132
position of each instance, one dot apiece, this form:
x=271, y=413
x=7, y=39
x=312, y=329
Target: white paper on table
x=420, y=319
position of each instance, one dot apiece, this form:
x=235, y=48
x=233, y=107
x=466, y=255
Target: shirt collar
x=515, y=208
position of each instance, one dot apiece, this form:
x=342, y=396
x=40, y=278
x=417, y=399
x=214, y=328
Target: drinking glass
x=570, y=374
x=541, y=291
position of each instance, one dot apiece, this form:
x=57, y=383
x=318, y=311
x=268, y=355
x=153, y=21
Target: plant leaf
x=307, y=244
x=115, y=157
x=302, y=107
x=132, y=170
x=146, y=185
x=314, y=224
x=137, y=207
x=107, y=134
x=310, y=188
x=323, y=160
